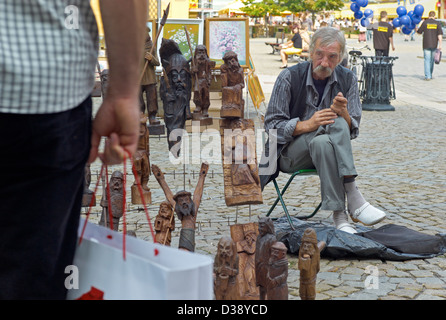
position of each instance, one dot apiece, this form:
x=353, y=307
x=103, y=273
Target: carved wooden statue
x=232, y=83
x=88, y=198
x=164, y=224
x=201, y=74
x=185, y=206
x=148, y=87
x=142, y=165
x=245, y=236
x=226, y=270
x=240, y=169
x=309, y=263
x=277, y=287
x=175, y=92
x=116, y=200
x=264, y=242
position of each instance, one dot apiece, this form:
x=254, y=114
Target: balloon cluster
x=408, y=20
x=363, y=17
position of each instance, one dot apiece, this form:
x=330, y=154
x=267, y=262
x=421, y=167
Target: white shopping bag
x=149, y=270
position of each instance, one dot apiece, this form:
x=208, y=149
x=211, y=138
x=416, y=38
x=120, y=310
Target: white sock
x=339, y=217
x=354, y=197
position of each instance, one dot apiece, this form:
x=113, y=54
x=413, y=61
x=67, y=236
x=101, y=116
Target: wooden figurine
x=240, y=169
x=264, y=242
x=164, y=224
x=232, y=83
x=277, y=287
x=245, y=236
x=148, y=87
x=226, y=270
x=88, y=198
x=175, y=92
x=116, y=200
x=201, y=74
x=142, y=165
x=185, y=206
x=309, y=263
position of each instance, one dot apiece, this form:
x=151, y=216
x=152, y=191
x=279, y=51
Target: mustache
x=322, y=69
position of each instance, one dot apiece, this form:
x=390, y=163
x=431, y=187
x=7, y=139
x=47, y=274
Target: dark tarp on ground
x=389, y=242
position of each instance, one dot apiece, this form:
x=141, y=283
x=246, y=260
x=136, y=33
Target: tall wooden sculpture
x=226, y=270
x=245, y=236
x=240, y=169
x=164, y=224
x=232, y=83
x=265, y=240
x=185, y=206
x=142, y=165
x=201, y=75
x=116, y=202
x=148, y=87
x=175, y=92
x=88, y=198
x=309, y=263
x=277, y=287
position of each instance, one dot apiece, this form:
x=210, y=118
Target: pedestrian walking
x=382, y=36
x=432, y=37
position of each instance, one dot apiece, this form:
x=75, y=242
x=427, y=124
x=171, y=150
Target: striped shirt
x=278, y=113
x=48, y=54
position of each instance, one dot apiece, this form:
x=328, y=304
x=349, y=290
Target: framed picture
x=255, y=90
x=174, y=29
x=151, y=23
x=228, y=34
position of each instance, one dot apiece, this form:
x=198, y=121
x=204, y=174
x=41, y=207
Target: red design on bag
x=93, y=294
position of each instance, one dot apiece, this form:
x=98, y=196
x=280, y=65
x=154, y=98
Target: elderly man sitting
x=313, y=114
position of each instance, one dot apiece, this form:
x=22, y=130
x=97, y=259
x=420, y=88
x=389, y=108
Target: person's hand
x=118, y=120
x=321, y=118
x=339, y=105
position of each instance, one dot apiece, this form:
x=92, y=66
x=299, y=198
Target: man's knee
x=320, y=145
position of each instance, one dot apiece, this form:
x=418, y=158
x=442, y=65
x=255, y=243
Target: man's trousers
x=329, y=151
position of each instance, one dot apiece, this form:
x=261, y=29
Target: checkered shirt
x=48, y=54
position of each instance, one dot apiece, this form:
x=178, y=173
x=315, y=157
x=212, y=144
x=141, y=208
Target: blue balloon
x=360, y=3
x=366, y=2
x=410, y=14
x=354, y=7
x=416, y=19
x=406, y=30
x=405, y=20
x=396, y=22
x=418, y=10
x=365, y=22
x=368, y=13
x=401, y=11
x=358, y=15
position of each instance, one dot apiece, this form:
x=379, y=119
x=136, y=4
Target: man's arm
x=118, y=117
x=159, y=176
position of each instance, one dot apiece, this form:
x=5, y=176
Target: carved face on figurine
x=165, y=210
x=278, y=251
x=230, y=58
x=265, y=226
x=184, y=205
x=142, y=125
x=201, y=53
x=225, y=248
x=117, y=181
x=309, y=243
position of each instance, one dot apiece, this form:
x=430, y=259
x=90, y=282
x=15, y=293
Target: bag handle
x=105, y=167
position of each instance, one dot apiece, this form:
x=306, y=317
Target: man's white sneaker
x=346, y=227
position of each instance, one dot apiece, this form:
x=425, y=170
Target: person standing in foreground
x=382, y=36
x=313, y=114
x=48, y=58
x=432, y=37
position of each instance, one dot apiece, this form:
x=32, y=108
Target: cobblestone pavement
x=400, y=158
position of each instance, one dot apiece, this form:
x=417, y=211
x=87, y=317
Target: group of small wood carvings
x=253, y=265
